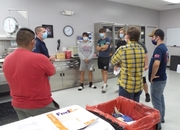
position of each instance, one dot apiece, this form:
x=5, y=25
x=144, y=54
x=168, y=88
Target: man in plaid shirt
x=131, y=58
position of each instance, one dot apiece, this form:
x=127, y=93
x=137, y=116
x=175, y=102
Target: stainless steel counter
x=67, y=75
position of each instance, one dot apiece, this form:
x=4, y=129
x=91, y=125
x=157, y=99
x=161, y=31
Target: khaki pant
x=25, y=113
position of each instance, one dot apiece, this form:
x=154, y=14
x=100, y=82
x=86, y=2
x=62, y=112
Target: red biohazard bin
x=145, y=117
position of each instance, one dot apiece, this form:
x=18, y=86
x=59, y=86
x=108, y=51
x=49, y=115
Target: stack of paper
x=116, y=72
x=74, y=118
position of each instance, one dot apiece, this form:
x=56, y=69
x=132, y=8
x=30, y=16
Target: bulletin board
x=173, y=37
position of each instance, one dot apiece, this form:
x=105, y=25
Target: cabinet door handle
x=63, y=74
x=60, y=74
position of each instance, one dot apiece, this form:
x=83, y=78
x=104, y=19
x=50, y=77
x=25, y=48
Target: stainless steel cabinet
x=66, y=74
x=4, y=87
x=97, y=77
x=56, y=81
x=70, y=78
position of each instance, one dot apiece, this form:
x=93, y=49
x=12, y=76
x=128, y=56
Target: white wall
x=87, y=12
x=170, y=19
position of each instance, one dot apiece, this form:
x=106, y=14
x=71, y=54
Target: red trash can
x=145, y=117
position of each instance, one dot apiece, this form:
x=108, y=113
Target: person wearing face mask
x=122, y=42
x=86, y=53
x=40, y=47
x=103, y=47
x=27, y=77
x=131, y=58
x=121, y=35
x=157, y=72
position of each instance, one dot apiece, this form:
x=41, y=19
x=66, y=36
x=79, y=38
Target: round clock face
x=10, y=25
x=68, y=30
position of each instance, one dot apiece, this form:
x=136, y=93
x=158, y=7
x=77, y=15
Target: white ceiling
x=151, y=4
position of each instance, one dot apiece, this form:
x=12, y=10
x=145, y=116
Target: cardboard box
x=60, y=56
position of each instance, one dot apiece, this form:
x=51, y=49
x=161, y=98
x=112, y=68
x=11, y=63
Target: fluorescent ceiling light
x=173, y=1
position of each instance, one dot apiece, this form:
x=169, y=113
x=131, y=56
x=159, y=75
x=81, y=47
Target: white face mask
x=85, y=38
x=121, y=35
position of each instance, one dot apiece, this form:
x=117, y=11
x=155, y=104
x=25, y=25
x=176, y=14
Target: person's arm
x=146, y=62
x=116, y=58
x=105, y=47
x=47, y=66
x=155, y=68
x=52, y=58
x=98, y=47
x=92, y=53
x=146, y=56
x=80, y=54
x=157, y=59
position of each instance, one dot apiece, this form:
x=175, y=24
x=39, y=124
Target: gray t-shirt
x=86, y=50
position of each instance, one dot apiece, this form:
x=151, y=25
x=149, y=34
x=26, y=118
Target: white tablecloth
x=42, y=123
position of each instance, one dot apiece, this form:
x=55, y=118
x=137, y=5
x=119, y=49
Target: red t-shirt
x=27, y=75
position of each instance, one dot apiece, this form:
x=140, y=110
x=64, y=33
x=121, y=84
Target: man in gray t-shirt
x=86, y=53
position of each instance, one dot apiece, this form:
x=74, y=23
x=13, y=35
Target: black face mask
x=154, y=42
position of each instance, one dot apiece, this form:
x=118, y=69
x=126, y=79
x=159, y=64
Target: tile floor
x=94, y=96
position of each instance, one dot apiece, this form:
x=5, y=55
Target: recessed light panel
x=173, y=1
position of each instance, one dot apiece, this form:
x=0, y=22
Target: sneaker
x=103, y=86
x=104, y=89
x=92, y=86
x=162, y=121
x=117, y=91
x=80, y=88
x=147, y=97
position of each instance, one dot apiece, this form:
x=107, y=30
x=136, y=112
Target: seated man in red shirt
x=27, y=75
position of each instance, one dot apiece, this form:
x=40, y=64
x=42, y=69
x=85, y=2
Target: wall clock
x=68, y=30
x=10, y=25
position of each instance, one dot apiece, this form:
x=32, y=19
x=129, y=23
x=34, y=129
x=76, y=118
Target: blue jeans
x=132, y=96
x=157, y=89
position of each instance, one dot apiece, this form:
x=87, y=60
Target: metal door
x=56, y=81
x=97, y=72
x=70, y=78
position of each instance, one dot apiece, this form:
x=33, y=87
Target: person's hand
x=52, y=58
x=115, y=67
x=153, y=77
x=101, y=48
x=86, y=60
x=146, y=68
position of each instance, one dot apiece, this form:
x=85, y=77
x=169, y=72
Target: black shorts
x=103, y=63
x=144, y=79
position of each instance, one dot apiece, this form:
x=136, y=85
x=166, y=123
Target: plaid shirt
x=131, y=58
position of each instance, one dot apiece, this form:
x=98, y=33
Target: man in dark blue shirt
x=103, y=47
x=40, y=46
x=157, y=72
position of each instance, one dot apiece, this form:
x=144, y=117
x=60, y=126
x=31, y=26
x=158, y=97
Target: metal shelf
x=7, y=38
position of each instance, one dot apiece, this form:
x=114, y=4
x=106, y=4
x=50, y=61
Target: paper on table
x=71, y=119
x=118, y=71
